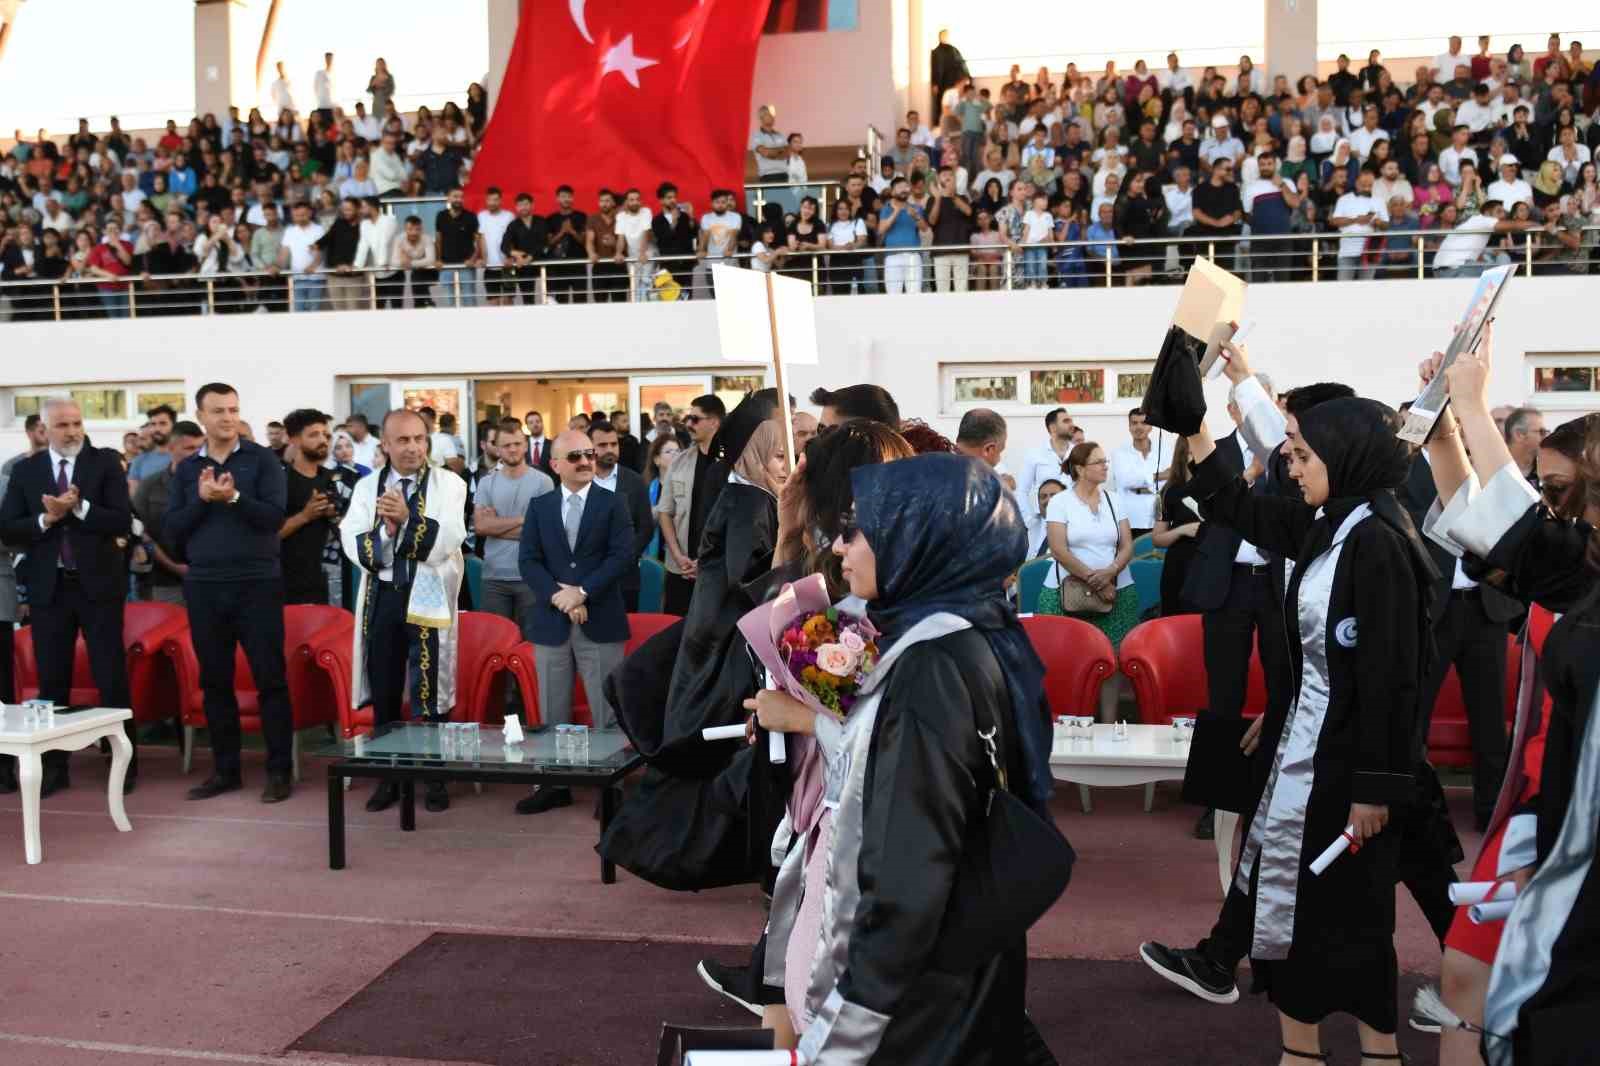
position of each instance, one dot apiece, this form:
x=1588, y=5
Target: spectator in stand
x=521, y=248
x=1218, y=210
x=951, y=219
x=301, y=256
x=386, y=166
x=674, y=237
x=375, y=249
x=493, y=223
x=633, y=239
x=458, y=248
x=565, y=230
x=607, y=258
x=974, y=113
x=322, y=88
x=1451, y=158
x=415, y=257
x=1465, y=252
x=439, y=164
x=1357, y=214
x=769, y=148
x=1369, y=133
x=901, y=224
x=1569, y=154
x=347, y=290
x=1268, y=202
x=111, y=259
x=282, y=94
x=1510, y=189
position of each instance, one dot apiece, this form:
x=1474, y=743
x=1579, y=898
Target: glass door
x=647, y=390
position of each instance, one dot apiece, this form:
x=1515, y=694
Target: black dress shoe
x=277, y=790
x=1191, y=971
x=215, y=785
x=384, y=796
x=437, y=798
x=1205, y=826
x=544, y=798
x=54, y=781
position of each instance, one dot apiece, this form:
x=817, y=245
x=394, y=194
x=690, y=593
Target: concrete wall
x=1370, y=334
x=829, y=86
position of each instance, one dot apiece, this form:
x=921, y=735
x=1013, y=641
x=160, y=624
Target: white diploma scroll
x=1334, y=850
x=723, y=732
x=743, y=1058
x=1499, y=910
x=1469, y=893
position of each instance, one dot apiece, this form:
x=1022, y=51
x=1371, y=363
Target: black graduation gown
x=1175, y=566
x=689, y=825
x=1367, y=623
x=920, y=798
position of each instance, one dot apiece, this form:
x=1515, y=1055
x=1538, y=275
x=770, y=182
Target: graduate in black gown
x=688, y=824
x=1544, y=990
x=936, y=536
x=1358, y=600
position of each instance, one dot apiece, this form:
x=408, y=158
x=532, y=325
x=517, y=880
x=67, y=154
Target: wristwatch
x=583, y=592
x=234, y=498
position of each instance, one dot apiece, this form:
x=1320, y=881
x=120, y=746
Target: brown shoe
x=277, y=790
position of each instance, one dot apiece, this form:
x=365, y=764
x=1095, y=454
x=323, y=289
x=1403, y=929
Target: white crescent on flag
x=578, y=19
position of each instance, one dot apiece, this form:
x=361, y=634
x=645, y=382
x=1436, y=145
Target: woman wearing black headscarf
x=1325, y=944
x=934, y=538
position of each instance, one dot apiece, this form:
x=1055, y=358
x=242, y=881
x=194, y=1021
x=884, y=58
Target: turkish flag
x=622, y=93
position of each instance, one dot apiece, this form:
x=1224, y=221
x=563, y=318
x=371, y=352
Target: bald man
x=577, y=543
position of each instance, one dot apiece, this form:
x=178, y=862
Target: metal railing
x=1257, y=258
x=757, y=195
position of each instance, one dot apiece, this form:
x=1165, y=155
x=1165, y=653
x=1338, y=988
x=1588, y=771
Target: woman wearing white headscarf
x=1324, y=140
x=1341, y=159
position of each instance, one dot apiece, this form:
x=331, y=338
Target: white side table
x=70, y=732
x=1147, y=756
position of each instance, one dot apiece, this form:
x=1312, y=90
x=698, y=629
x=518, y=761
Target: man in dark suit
x=1469, y=631
x=539, y=445
x=628, y=446
x=577, y=544
x=1230, y=584
x=67, y=506
x=612, y=473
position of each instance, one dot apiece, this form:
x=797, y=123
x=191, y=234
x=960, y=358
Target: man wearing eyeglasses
x=693, y=483
x=577, y=543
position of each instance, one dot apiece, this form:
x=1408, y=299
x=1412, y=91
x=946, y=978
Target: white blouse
x=1091, y=537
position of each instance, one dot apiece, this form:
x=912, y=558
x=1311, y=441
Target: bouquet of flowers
x=816, y=653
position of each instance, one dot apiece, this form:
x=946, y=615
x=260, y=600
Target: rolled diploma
x=777, y=750
x=1334, y=850
x=1490, y=912
x=1467, y=893
x=723, y=732
x=743, y=1058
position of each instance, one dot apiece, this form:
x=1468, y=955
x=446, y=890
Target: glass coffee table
x=402, y=752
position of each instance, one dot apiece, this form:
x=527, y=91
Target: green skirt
x=1115, y=623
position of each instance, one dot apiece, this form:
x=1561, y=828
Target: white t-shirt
x=1511, y=192
x=492, y=226
x=1450, y=162
x=1475, y=116
x=1130, y=471
x=724, y=229
x=1446, y=64
x=1350, y=205
x=757, y=250
x=1362, y=140
x=1037, y=226
x=634, y=230
x=441, y=446
x=1180, y=206
x=365, y=452
x=1091, y=537
x=298, y=240
x=322, y=87
x=1465, y=243
x=842, y=233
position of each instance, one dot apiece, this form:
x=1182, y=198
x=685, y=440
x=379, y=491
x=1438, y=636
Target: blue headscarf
x=946, y=535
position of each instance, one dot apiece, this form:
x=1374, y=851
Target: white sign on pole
x=746, y=323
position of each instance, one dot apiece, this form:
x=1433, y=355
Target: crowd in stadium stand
x=1497, y=154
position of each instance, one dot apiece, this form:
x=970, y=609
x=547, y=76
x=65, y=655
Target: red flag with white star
x=621, y=93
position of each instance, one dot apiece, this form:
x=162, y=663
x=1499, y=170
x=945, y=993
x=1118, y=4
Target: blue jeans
x=310, y=292
x=1035, y=265
x=115, y=303
x=469, y=286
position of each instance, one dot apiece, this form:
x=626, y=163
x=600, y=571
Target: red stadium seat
x=1077, y=660
x=152, y=685
x=641, y=627
x=483, y=666
x=1164, y=659
x=307, y=631
x=1449, y=743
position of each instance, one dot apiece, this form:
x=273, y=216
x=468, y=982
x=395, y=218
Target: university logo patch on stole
x=1345, y=633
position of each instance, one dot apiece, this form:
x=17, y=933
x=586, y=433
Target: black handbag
x=1014, y=867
